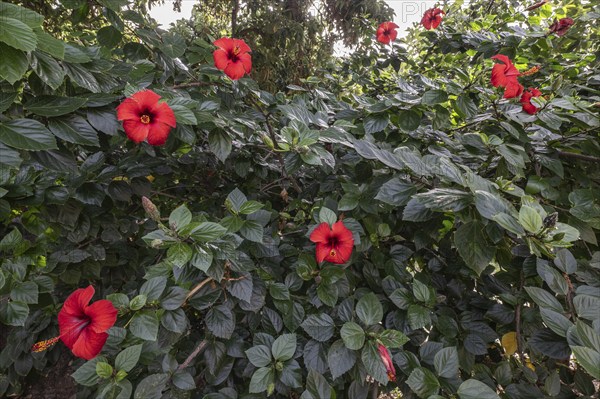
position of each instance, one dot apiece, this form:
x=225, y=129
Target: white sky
x=407, y=12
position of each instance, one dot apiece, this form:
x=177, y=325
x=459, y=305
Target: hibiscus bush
x=419, y=219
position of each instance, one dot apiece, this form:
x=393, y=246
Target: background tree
x=475, y=224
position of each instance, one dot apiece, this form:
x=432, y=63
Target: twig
x=194, y=84
x=201, y=346
x=518, y=319
x=197, y=288
x=274, y=140
x=583, y=157
x=375, y=391
x=569, y=295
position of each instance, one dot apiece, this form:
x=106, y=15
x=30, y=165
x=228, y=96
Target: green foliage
x=476, y=225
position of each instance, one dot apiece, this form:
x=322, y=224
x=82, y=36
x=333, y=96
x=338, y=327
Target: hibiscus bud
x=384, y=353
x=279, y=366
x=270, y=389
x=151, y=209
x=268, y=142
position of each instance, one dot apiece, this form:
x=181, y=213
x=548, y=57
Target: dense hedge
x=475, y=223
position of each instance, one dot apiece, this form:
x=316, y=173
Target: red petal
x=244, y=48
x=337, y=258
x=393, y=34
x=136, y=130
x=529, y=108
x=235, y=70
x=385, y=39
x=513, y=89
x=158, y=134
x=437, y=20
x=103, y=315
x=392, y=25
x=498, y=76
x=536, y=92
x=342, y=233
x=70, y=327
x=128, y=109
x=225, y=43
x=221, y=59
x=321, y=233
x=344, y=250
x=89, y=344
x=322, y=252
x=502, y=58
x=76, y=303
x=426, y=22
x=145, y=98
x=246, y=62
x=162, y=113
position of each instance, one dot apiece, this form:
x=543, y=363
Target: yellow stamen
x=43, y=345
x=531, y=71
x=236, y=50
x=332, y=252
x=145, y=119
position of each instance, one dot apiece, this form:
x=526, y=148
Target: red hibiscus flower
x=561, y=26
x=144, y=118
x=526, y=100
x=232, y=57
x=505, y=75
x=432, y=18
x=333, y=244
x=386, y=32
x=83, y=327
x=384, y=353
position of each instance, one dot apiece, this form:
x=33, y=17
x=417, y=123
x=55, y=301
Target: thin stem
x=197, y=288
x=588, y=158
x=201, y=346
x=518, y=319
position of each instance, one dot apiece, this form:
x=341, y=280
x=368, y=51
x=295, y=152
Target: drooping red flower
x=505, y=75
x=526, y=100
x=386, y=32
x=432, y=18
x=333, y=244
x=384, y=353
x=82, y=326
x=561, y=26
x=232, y=57
x=144, y=118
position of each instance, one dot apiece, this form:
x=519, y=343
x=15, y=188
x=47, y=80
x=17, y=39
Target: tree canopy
x=419, y=219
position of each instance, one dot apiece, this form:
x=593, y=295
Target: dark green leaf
x=369, y=309
x=26, y=134
x=54, y=105
x=14, y=63
x=17, y=34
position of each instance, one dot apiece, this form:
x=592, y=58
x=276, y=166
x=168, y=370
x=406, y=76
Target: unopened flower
x=561, y=26
x=232, y=57
x=432, y=18
x=82, y=326
x=144, y=118
x=333, y=244
x=386, y=32
x=505, y=75
x=526, y=100
x=384, y=353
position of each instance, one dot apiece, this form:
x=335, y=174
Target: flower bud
x=156, y=243
x=151, y=209
x=268, y=142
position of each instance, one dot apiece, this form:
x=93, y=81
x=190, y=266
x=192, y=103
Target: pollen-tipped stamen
x=43, y=345
x=145, y=119
x=531, y=71
x=332, y=252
